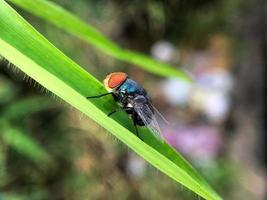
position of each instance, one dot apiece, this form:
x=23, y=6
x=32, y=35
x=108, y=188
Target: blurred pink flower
x=202, y=142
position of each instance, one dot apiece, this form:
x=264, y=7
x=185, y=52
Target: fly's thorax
x=130, y=86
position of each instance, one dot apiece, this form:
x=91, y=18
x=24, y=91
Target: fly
x=133, y=99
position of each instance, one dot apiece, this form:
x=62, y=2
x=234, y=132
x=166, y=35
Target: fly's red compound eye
x=115, y=79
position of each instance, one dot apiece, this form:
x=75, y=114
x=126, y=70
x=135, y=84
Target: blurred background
x=50, y=151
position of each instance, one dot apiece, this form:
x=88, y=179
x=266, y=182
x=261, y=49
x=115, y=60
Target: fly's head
x=114, y=80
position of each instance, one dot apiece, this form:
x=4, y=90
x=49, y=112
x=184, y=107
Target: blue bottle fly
x=133, y=99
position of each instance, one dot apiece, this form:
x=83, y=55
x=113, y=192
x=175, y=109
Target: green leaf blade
x=65, y=20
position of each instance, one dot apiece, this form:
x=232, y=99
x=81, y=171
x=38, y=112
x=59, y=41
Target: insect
x=133, y=99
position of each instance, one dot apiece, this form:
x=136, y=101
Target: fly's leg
x=111, y=113
x=132, y=113
x=136, y=132
x=98, y=96
x=101, y=95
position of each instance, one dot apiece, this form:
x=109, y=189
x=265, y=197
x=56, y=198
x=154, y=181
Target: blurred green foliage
x=26, y=123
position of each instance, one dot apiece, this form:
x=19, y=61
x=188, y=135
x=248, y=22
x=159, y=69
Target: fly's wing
x=159, y=114
x=146, y=113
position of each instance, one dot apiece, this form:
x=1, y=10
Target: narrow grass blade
x=22, y=45
x=72, y=24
